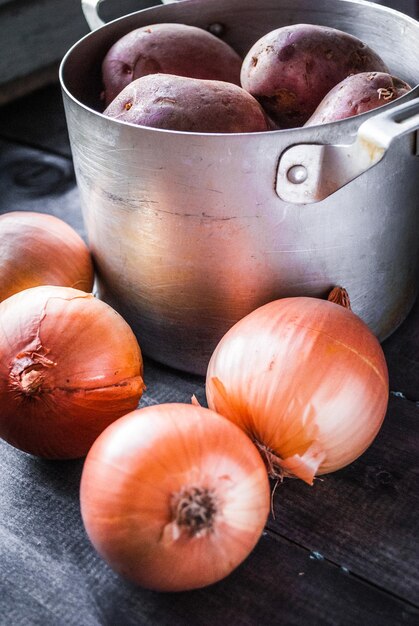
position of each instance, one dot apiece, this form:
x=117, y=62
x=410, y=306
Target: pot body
x=187, y=231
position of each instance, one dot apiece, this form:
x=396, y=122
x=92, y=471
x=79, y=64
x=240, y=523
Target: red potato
x=357, y=94
x=168, y=49
x=188, y=104
x=291, y=69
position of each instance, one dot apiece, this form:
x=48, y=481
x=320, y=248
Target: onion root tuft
x=194, y=510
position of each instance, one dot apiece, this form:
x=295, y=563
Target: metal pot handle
x=311, y=172
x=91, y=11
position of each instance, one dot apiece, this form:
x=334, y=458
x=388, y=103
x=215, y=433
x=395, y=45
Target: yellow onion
x=69, y=366
x=174, y=496
x=39, y=249
x=307, y=381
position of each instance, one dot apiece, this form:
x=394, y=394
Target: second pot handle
x=311, y=172
x=91, y=11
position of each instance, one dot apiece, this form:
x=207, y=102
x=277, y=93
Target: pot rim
x=344, y=123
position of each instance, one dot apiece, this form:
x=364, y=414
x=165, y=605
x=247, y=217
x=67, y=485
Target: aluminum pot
x=190, y=231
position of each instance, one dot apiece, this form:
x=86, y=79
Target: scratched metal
x=188, y=231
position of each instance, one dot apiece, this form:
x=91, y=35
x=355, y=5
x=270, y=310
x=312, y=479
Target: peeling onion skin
x=132, y=480
x=40, y=249
x=306, y=380
x=69, y=366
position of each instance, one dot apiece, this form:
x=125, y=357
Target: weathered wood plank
x=402, y=354
x=46, y=556
x=36, y=34
x=23, y=85
x=31, y=180
x=366, y=516
x=37, y=120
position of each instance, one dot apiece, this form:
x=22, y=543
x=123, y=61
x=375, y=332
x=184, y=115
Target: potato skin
x=188, y=104
x=291, y=69
x=357, y=94
x=168, y=49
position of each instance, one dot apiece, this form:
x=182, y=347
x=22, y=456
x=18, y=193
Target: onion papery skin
x=69, y=366
x=39, y=249
x=134, y=474
x=306, y=380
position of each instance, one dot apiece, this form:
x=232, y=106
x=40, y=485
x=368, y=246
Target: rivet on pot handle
x=311, y=172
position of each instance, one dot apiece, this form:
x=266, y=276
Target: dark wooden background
x=343, y=552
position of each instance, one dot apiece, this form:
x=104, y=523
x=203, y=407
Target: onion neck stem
x=272, y=462
x=339, y=295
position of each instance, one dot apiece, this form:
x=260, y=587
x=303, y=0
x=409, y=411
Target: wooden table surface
x=344, y=551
